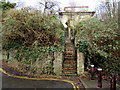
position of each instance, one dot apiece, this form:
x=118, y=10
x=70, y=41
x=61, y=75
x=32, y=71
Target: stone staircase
x=69, y=62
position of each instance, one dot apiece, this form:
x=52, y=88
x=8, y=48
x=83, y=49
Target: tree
x=108, y=9
x=19, y=4
x=50, y=6
x=7, y=5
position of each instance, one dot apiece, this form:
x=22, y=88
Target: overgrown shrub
x=31, y=35
x=104, y=43
x=32, y=28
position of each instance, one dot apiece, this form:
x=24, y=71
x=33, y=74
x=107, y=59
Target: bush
x=29, y=28
x=104, y=43
x=32, y=36
x=82, y=45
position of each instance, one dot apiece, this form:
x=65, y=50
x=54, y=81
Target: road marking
x=22, y=77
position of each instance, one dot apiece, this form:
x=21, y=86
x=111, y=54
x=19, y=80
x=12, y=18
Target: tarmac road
x=11, y=83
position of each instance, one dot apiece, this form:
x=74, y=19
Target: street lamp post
x=99, y=77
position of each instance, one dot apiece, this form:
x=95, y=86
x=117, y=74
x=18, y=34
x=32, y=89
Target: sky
x=63, y=3
x=91, y=3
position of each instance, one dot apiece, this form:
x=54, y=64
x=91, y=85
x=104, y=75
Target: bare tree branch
x=50, y=5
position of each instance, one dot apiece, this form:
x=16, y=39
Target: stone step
x=69, y=63
x=67, y=41
x=69, y=66
x=70, y=60
x=69, y=50
x=69, y=57
x=69, y=46
x=69, y=72
x=69, y=53
x=71, y=69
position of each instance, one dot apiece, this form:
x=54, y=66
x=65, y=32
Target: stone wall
x=51, y=62
x=80, y=59
x=57, y=64
x=80, y=63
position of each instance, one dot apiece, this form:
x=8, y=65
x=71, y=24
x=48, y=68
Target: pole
x=92, y=72
x=100, y=77
x=113, y=82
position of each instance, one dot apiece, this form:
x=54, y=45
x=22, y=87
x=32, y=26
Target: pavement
x=93, y=84
x=89, y=84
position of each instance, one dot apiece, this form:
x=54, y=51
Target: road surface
x=11, y=83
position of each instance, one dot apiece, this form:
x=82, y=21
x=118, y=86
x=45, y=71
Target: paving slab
x=93, y=84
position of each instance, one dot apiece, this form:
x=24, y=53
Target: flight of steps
x=70, y=62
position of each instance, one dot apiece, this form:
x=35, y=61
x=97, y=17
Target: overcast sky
x=91, y=3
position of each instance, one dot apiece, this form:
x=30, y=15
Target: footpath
x=93, y=84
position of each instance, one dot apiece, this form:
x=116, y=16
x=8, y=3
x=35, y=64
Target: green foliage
x=32, y=28
x=7, y=5
x=82, y=45
x=29, y=55
x=51, y=49
x=33, y=36
x=104, y=43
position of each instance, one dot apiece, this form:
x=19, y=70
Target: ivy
x=51, y=49
x=104, y=43
x=82, y=45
